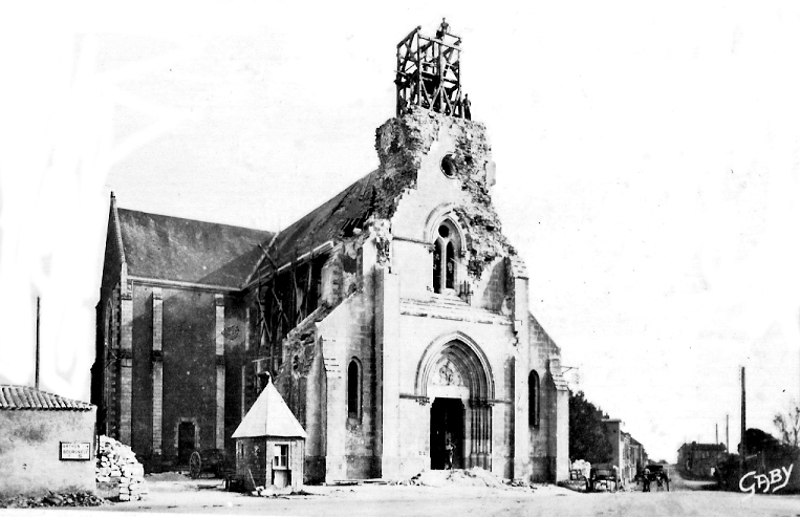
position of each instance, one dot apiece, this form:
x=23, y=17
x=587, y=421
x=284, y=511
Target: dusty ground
x=183, y=495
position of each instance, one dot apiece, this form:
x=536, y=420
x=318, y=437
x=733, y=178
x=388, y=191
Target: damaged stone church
x=393, y=319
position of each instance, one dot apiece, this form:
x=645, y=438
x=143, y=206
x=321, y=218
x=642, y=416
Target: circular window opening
x=444, y=231
x=449, y=166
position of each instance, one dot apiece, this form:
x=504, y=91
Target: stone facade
x=393, y=320
x=638, y=457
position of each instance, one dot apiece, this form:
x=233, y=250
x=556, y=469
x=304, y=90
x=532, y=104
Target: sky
x=647, y=171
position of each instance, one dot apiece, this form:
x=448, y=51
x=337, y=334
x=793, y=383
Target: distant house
x=619, y=445
x=698, y=459
x=46, y=442
x=638, y=456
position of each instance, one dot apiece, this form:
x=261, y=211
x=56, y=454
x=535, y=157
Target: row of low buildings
x=627, y=453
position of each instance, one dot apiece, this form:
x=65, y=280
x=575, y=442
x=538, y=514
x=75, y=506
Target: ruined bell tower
x=428, y=72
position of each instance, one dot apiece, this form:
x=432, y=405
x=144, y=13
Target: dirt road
x=203, y=497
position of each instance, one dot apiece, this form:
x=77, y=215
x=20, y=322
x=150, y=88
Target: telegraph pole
x=36, y=380
x=742, y=447
x=727, y=434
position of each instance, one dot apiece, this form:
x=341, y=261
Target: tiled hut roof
x=172, y=248
x=27, y=397
x=336, y=217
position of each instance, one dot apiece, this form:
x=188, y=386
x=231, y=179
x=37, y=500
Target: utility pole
x=727, y=434
x=38, y=304
x=742, y=445
x=716, y=434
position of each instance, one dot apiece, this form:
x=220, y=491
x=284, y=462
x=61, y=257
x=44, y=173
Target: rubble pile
x=270, y=491
x=519, y=483
x=475, y=476
x=118, y=470
x=52, y=499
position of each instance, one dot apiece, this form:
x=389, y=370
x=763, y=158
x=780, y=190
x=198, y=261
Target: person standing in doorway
x=449, y=449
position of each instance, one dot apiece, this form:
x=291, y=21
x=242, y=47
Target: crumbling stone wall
x=401, y=144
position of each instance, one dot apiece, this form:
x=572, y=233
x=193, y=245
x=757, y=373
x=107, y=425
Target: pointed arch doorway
x=455, y=375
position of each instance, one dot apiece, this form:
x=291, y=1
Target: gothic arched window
x=445, y=248
x=533, y=399
x=354, y=389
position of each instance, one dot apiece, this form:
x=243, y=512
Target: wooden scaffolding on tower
x=429, y=72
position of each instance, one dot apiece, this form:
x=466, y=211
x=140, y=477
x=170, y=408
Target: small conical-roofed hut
x=270, y=444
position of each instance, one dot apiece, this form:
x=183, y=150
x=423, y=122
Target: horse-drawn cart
x=603, y=476
x=658, y=474
x=208, y=461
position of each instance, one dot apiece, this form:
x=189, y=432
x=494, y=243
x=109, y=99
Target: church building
x=393, y=319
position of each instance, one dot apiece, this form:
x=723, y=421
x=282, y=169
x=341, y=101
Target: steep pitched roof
x=269, y=416
x=27, y=397
x=337, y=216
x=172, y=248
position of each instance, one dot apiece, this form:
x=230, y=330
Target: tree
x=789, y=426
x=587, y=433
x=757, y=441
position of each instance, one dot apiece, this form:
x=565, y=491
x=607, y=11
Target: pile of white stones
x=117, y=465
x=582, y=465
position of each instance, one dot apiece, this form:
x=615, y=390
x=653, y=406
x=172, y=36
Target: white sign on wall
x=75, y=451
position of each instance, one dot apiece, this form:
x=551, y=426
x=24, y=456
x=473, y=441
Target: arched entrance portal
x=455, y=375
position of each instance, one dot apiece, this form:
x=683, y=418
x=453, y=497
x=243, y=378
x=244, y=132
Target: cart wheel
x=195, y=464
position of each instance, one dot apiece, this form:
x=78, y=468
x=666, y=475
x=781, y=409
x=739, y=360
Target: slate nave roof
x=163, y=247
